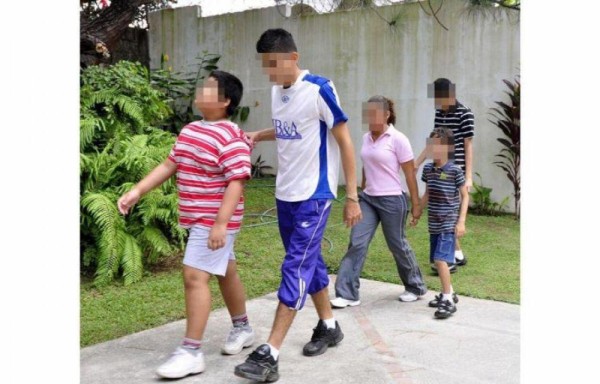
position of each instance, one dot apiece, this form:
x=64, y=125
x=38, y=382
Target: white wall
x=364, y=56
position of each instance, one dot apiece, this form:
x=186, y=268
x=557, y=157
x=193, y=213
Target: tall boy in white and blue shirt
x=311, y=133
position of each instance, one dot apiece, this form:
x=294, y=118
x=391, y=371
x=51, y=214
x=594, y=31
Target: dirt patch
x=166, y=264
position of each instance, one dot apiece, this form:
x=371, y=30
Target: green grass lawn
x=491, y=245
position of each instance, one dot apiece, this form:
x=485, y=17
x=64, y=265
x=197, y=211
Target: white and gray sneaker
x=407, y=296
x=238, y=339
x=340, y=302
x=182, y=362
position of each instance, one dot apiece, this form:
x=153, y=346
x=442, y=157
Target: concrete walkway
x=386, y=341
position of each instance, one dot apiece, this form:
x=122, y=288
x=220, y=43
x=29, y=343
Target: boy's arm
x=352, y=213
x=262, y=135
x=420, y=160
x=231, y=197
x=464, y=206
x=413, y=189
x=469, y=163
x=156, y=177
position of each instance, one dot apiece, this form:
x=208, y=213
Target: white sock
x=458, y=255
x=447, y=296
x=274, y=351
x=330, y=323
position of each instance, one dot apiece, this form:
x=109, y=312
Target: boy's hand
x=416, y=212
x=460, y=229
x=128, y=200
x=216, y=237
x=253, y=137
x=414, y=221
x=468, y=184
x=352, y=213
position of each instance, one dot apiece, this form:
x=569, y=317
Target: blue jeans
x=392, y=212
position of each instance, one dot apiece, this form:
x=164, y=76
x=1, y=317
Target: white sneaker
x=407, y=296
x=238, y=338
x=182, y=362
x=340, y=302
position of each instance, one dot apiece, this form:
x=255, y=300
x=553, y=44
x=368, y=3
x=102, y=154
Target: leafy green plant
x=507, y=117
x=481, y=200
x=180, y=88
x=117, y=100
x=240, y=115
x=120, y=143
x=260, y=169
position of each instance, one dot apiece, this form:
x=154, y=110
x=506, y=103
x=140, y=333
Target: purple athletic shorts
x=303, y=271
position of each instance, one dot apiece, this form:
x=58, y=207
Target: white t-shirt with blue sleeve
x=307, y=153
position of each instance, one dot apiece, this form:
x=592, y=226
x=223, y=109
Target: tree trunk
x=99, y=36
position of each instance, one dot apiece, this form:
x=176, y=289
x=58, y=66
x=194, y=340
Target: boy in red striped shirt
x=212, y=160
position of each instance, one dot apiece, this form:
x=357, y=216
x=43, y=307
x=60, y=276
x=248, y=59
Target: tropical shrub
x=481, y=202
x=260, y=169
x=507, y=117
x=119, y=144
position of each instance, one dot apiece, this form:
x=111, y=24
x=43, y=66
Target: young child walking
x=447, y=202
x=211, y=158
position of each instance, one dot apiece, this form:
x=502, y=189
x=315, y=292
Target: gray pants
x=392, y=211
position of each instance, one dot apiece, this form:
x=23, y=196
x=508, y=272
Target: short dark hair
x=276, y=40
x=445, y=134
x=443, y=87
x=230, y=87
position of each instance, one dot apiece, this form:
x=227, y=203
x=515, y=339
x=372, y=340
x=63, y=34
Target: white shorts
x=199, y=256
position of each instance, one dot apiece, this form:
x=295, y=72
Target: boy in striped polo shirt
x=447, y=202
x=211, y=158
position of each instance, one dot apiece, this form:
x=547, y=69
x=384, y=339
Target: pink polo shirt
x=381, y=161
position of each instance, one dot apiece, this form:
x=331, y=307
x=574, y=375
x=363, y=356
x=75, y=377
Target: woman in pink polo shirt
x=384, y=152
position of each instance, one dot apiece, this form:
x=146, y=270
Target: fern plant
x=119, y=144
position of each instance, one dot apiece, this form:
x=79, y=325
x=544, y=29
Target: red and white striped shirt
x=208, y=156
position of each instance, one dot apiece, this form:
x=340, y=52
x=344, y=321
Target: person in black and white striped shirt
x=450, y=113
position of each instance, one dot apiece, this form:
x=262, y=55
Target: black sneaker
x=461, y=262
x=451, y=266
x=445, y=309
x=438, y=298
x=259, y=366
x=322, y=338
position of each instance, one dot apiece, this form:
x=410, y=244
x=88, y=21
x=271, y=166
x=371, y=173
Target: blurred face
x=437, y=149
x=209, y=97
x=445, y=102
x=280, y=67
x=375, y=114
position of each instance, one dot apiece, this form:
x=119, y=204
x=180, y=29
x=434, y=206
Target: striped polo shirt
x=443, y=186
x=208, y=156
x=461, y=121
